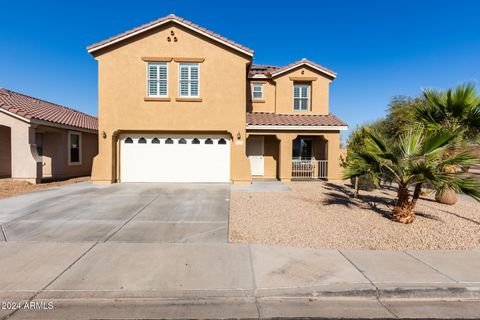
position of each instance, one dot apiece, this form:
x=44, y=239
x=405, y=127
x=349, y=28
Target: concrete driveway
x=141, y=213
x=144, y=251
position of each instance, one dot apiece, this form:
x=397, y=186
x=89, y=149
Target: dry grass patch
x=10, y=188
x=325, y=215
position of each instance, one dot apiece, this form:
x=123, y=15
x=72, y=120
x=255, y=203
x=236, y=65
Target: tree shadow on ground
x=452, y=213
x=380, y=204
x=343, y=195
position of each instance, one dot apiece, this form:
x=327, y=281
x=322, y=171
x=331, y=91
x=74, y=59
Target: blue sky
x=378, y=48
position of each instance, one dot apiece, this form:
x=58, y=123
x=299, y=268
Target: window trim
x=253, y=91
x=69, y=141
x=300, y=98
x=148, y=63
x=179, y=80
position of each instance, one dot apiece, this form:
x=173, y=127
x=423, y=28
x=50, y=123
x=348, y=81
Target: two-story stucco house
x=179, y=103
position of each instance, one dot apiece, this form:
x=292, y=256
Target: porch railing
x=309, y=169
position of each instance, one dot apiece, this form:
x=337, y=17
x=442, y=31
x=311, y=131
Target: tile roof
x=275, y=119
x=32, y=108
x=269, y=70
x=173, y=18
x=262, y=69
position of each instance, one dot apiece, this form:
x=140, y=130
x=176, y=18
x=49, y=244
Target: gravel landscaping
x=10, y=187
x=324, y=215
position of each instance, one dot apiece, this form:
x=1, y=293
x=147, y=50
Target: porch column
x=334, y=172
x=285, y=157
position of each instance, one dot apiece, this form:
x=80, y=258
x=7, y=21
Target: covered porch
x=294, y=155
x=294, y=146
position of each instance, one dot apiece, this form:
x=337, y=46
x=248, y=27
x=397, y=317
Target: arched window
x=155, y=141
x=195, y=141
x=169, y=141
x=142, y=140
x=208, y=141
x=182, y=141
x=128, y=140
x=222, y=141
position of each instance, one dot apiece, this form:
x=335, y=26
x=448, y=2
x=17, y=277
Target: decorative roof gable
x=170, y=18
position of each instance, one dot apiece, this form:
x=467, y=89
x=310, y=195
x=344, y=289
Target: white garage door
x=174, y=158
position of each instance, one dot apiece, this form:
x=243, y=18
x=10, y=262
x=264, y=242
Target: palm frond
x=470, y=186
x=436, y=141
x=462, y=159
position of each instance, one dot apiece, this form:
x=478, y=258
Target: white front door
x=174, y=158
x=255, y=154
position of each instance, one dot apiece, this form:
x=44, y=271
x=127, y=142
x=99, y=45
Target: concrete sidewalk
x=228, y=280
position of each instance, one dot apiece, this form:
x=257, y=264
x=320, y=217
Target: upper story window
x=257, y=91
x=157, y=79
x=301, y=97
x=189, y=77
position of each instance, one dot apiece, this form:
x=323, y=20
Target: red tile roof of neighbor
x=275, y=119
x=32, y=108
x=172, y=18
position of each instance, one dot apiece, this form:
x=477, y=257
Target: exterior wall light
x=104, y=135
x=239, y=136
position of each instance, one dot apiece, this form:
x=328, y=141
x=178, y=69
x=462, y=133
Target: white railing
x=309, y=169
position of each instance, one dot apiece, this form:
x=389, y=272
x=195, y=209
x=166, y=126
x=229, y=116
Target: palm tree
x=414, y=158
x=458, y=111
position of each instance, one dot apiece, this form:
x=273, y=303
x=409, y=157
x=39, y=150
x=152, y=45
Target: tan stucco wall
x=329, y=140
x=25, y=163
x=278, y=93
x=122, y=89
x=55, y=153
x=268, y=101
x=319, y=148
x=5, y=153
x=271, y=156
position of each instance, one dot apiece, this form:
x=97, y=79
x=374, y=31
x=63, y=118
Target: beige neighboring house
x=40, y=140
x=180, y=103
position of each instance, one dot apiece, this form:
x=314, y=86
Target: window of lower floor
x=302, y=149
x=74, y=148
x=39, y=143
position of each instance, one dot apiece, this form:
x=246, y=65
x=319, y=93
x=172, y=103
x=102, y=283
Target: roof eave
x=291, y=127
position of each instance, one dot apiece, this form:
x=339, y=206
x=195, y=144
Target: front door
x=255, y=154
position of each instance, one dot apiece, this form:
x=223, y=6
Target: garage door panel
x=175, y=162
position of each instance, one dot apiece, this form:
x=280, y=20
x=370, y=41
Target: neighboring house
x=179, y=103
x=40, y=140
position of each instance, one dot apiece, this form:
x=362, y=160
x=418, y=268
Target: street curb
x=391, y=292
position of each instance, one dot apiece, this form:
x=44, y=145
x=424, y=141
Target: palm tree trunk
x=403, y=210
x=416, y=195
x=357, y=187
